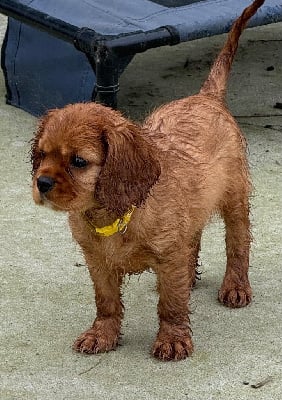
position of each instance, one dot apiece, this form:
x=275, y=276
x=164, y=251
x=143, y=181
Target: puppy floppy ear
x=35, y=155
x=131, y=168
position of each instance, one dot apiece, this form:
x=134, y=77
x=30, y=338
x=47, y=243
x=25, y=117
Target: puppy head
x=87, y=155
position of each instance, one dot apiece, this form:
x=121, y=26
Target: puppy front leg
x=173, y=340
x=105, y=331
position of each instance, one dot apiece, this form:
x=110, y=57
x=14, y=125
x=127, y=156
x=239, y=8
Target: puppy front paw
x=235, y=297
x=173, y=344
x=102, y=337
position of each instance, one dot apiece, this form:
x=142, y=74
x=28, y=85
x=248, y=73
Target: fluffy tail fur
x=217, y=80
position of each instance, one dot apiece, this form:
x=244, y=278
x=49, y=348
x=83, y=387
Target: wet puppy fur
x=184, y=164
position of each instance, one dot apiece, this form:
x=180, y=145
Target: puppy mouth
x=61, y=196
x=46, y=202
x=44, y=188
x=43, y=199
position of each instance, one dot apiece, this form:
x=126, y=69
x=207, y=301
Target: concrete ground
x=46, y=294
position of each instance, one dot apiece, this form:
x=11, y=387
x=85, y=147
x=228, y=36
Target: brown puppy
x=139, y=197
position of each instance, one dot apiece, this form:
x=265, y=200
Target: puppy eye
x=78, y=162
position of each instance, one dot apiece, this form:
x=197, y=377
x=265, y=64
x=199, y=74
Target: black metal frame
x=104, y=52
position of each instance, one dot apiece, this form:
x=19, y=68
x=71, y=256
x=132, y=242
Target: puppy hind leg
x=104, y=334
x=236, y=290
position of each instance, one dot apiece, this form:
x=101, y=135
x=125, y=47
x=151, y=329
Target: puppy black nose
x=45, y=184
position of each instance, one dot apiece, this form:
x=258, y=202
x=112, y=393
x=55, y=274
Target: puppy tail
x=216, y=82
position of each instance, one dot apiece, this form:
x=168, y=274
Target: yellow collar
x=120, y=224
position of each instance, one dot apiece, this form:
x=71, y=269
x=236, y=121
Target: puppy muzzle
x=45, y=184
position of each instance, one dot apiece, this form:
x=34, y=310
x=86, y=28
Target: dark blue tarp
x=44, y=72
